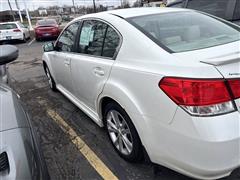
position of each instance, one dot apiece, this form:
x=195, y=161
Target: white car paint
x=200, y=147
x=9, y=34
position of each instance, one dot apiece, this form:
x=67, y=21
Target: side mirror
x=48, y=47
x=8, y=53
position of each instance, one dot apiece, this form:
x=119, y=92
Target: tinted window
x=8, y=26
x=67, y=39
x=92, y=37
x=111, y=43
x=214, y=7
x=21, y=25
x=186, y=31
x=47, y=22
x=236, y=15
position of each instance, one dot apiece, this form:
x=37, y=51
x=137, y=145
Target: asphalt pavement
x=73, y=145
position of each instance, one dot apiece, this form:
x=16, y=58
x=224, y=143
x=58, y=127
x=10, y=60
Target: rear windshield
x=47, y=22
x=8, y=26
x=186, y=31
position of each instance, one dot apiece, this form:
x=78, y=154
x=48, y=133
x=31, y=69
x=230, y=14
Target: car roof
x=133, y=12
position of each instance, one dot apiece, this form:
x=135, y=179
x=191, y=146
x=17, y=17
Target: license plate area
x=8, y=37
x=46, y=34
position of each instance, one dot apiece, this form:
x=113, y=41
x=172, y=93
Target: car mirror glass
x=48, y=47
x=8, y=53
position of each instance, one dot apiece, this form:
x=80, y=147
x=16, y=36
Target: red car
x=47, y=28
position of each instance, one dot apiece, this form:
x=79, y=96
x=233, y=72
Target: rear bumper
x=15, y=37
x=201, y=148
x=46, y=35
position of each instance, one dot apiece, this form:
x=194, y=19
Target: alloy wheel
x=49, y=78
x=119, y=132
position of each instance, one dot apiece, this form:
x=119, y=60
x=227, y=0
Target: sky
x=34, y=4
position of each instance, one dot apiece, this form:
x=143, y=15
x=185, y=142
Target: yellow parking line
x=92, y=158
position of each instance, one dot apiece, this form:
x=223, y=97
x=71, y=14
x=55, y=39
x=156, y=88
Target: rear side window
x=186, y=31
x=111, y=43
x=8, y=26
x=67, y=39
x=214, y=7
x=47, y=22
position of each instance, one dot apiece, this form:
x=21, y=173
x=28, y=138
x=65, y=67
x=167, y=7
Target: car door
x=97, y=47
x=61, y=58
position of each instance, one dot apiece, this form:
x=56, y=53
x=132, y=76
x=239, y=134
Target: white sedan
x=160, y=80
x=13, y=31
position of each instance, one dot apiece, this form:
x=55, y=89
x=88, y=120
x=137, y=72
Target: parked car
x=226, y=9
x=161, y=79
x=20, y=155
x=67, y=18
x=13, y=31
x=47, y=28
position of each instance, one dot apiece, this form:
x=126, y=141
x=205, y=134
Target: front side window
x=67, y=39
x=92, y=37
x=186, y=31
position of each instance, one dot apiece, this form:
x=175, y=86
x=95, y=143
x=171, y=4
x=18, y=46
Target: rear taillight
x=16, y=30
x=235, y=87
x=199, y=97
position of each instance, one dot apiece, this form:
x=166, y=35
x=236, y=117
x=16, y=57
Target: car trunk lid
x=228, y=66
x=8, y=30
x=225, y=59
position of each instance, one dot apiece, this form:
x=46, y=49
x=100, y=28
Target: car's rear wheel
x=51, y=81
x=24, y=38
x=122, y=133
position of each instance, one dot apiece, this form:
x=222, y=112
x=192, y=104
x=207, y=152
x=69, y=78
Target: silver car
x=20, y=156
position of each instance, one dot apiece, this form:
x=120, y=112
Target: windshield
x=186, y=31
x=47, y=22
x=8, y=26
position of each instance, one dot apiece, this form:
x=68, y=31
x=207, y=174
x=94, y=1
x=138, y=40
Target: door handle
x=98, y=71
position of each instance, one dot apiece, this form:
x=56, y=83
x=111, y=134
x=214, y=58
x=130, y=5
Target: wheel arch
x=46, y=63
x=125, y=99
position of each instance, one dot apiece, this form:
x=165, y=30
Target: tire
x=51, y=81
x=24, y=38
x=123, y=135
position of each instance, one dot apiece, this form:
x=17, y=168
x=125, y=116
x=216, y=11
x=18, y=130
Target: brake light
x=200, y=97
x=16, y=30
x=235, y=87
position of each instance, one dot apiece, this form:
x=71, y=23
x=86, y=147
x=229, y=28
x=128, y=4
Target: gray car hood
x=11, y=112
